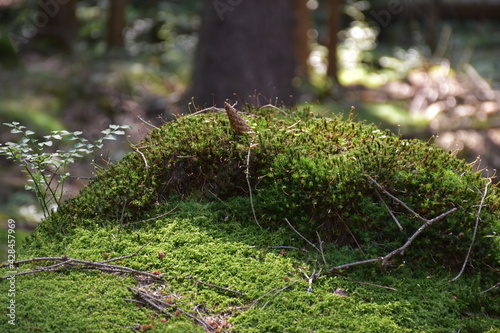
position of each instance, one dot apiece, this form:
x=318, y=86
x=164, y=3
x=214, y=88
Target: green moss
x=313, y=171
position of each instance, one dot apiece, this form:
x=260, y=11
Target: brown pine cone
x=237, y=122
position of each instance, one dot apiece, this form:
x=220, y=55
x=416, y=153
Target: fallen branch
x=249, y=185
x=390, y=212
x=399, y=250
x=161, y=305
x=495, y=286
x=219, y=287
x=309, y=242
x=154, y=218
x=276, y=291
x=64, y=262
x=478, y=218
x=395, y=199
x=71, y=263
x=212, y=108
x=274, y=107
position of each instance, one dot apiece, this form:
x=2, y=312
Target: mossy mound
x=182, y=199
x=313, y=171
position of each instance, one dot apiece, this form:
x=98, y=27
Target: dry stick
x=146, y=122
x=219, y=287
x=309, y=242
x=273, y=107
x=152, y=299
x=146, y=167
x=390, y=212
x=278, y=291
x=495, y=286
x=249, y=185
x=321, y=248
x=478, y=218
x=399, y=250
x=396, y=199
x=128, y=255
x=212, y=108
x=155, y=217
x=70, y=263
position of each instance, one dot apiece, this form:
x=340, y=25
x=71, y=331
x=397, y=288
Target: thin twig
x=67, y=263
x=249, y=185
x=150, y=299
x=276, y=290
x=395, y=199
x=309, y=242
x=128, y=255
x=418, y=232
x=155, y=217
x=146, y=122
x=399, y=250
x=219, y=287
x=321, y=248
x=212, y=108
x=146, y=167
x=478, y=218
x=274, y=107
x=390, y=212
x=495, y=286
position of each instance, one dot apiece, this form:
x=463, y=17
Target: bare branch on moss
x=495, y=286
x=128, y=255
x=212, y=108
x=274, y=107
x=219, y=287
x=248, y=182
x=399, y=250
x=308, y=241
x=161, y=305
x=155, y=217
x=146, y=166
x=389, y=210
x=321, y=248
x=395, y=199
x=123, y=212
x=146, y=122
x=311, y=278
x=276, y=291
x=65, y=262
x=478, y=218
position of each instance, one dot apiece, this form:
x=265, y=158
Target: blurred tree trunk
x=245, y=53
x=116, y=24
x=334, y=25
x=56, y=23
x=303, y=22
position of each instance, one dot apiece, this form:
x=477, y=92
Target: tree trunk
x=56, y=23
x=116, y=24
x=334, y=25
x=245, y=53
x=303, y=22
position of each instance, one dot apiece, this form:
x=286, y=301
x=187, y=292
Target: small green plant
x=48, y=170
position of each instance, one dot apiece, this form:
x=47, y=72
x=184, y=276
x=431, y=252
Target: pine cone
x=237, y=122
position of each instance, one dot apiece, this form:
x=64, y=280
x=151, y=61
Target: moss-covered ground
x=184, y=203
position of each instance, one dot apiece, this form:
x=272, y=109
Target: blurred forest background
x=427, y=69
